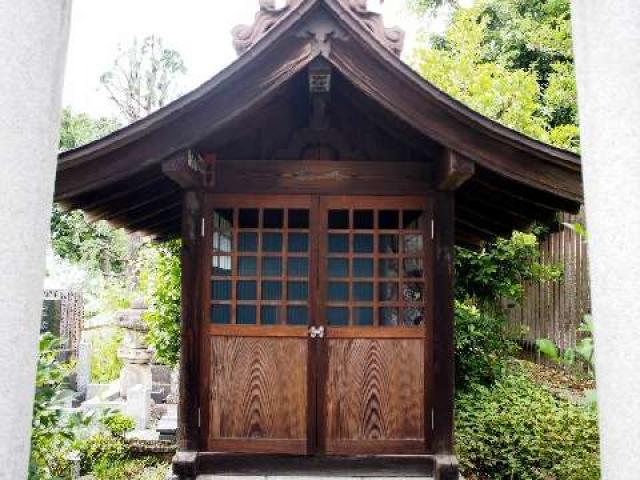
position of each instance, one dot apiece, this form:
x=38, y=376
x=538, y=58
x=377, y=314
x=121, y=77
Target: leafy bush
x=132, y=469
x=52, y=432
x=118, y=424
x=105, y=364
x=499, y=270
x=101, y=450
x=163, y=316
x=517, y=430
x=482, y=345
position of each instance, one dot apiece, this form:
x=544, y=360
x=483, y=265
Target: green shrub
x=482, y=345
x=52, y=433
x=101, y=450
x=118, y=424
x=499, y=270
x=517, y=430
x=132, y=469
x=105, y=364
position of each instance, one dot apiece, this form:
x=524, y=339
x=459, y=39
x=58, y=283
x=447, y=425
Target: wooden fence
x=555, y=310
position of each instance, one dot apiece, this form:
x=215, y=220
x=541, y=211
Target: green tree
x=163, y=272
x=510, y=60
x=78, y=129
x=97, y=245
x=143, y=77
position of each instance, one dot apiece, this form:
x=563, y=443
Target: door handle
x=316, y=332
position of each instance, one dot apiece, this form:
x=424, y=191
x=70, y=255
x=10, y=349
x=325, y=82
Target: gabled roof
x=114, y=171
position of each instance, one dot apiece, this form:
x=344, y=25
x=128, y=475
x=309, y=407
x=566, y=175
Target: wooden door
x=318, y=325
x=374, y=259
x=256, y=362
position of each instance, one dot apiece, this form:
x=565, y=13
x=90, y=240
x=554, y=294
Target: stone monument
x=134, y=352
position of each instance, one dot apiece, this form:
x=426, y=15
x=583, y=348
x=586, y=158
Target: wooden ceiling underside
x=379, y=110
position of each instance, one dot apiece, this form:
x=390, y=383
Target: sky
x=199, y=29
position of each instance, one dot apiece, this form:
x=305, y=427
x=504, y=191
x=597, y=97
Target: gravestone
x=83, y=368
x=51, y=316
x=139, y=405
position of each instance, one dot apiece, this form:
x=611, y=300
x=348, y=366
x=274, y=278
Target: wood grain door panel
x=375, y=396
x=258, y=394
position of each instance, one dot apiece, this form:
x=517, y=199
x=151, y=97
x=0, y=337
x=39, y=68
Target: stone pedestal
x=134, y=352
x=139, y=405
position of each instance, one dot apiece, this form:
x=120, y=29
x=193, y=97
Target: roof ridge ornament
x=245, y=36
x=392, y=38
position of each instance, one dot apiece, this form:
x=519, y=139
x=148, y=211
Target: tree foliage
x=143, y=77
x=163, y=316
x=510, y=60
x=499, y=270
x=78, y=129
x=97, y=245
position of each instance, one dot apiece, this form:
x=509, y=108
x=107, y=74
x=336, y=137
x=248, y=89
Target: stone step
x=298, y=477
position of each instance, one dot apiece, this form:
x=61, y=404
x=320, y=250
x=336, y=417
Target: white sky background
x=199, y=29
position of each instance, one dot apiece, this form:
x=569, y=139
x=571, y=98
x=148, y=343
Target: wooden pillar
x=446, y=467
x=188, y=414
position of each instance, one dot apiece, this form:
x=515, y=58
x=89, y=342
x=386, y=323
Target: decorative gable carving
x=245, y=36
x=392, y=38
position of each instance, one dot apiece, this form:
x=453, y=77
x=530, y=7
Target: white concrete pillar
x=33, y=44
x=607, y=47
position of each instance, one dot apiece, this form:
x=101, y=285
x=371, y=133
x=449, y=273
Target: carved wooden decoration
x=392, y=38
x=245, y=36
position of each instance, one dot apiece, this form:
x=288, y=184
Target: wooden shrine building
x=319, y=186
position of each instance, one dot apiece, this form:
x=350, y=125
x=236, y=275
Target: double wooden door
x=317, y=337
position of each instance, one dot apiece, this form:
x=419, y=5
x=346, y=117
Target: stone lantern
x=134, y=352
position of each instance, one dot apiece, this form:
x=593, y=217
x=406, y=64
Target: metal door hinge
x=433, y=229
x=199, y=417
x=202, y=228
x=433, y=419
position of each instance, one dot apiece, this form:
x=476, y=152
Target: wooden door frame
x=317, y=350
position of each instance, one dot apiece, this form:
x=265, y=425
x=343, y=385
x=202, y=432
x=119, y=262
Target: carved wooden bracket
x=191, y=170
x=245, y=36
x=453, y=170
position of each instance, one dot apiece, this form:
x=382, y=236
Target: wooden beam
x=134, y=205
x=453, y=171
x=488, y=222
x=485, y=194
x=522, y=191
x=443, y=325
